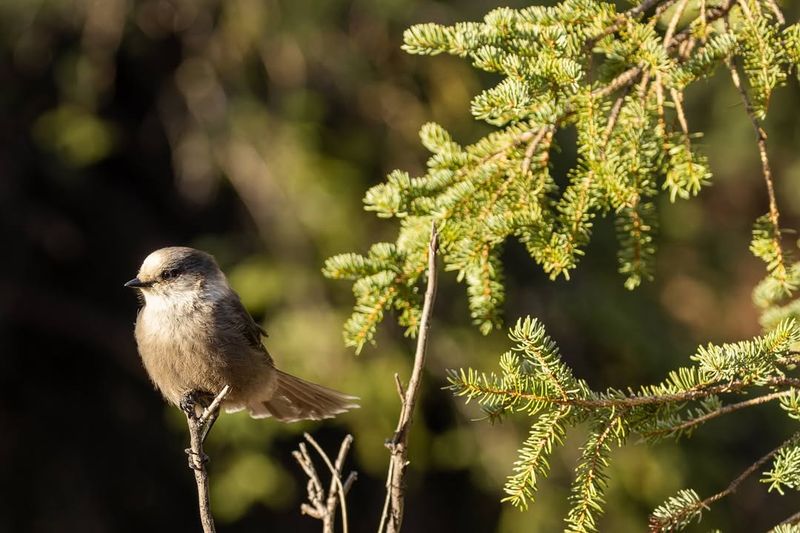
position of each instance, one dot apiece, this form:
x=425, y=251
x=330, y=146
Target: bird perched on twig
x=195, y=337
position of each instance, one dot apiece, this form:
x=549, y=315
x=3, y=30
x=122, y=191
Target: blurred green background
x=251, y=129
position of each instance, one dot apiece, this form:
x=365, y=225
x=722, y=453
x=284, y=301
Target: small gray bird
x=195, y=336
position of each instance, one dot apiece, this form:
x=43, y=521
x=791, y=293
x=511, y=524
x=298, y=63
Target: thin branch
x=711, y=14
x=613, y=116
x=677, y=99
x=199, y=426
x=761, y=140
x=730, y=489
x=749, y=471
x=718, y=412
x=322, y=505
x=792, y=520
x=392, y=517
x=532, y=146
x=773, y=5
x=622, y=20
x=696, y=393
x=623, y=80
x=673, y=23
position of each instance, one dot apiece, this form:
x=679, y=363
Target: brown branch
x=673, y=23
x=623, y=80
x=711, y=14
x=773, y=5
x=622, y=20
x=613, y=116
x=718, y=412
x=730, y=489
x=199, y=426
x=322, y=505
x=392, y=516
x=761, y=141
x=792, y=520
x=696, y=393
x=532, y=146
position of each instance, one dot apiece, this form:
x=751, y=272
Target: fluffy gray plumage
x=194, y=335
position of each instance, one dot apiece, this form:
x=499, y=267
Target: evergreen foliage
x=618, y=79
x=581, y=65
x=533, y=379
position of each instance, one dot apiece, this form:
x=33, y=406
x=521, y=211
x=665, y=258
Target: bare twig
x=532, y=146
x=392, y=516
x=322, y=505
x=673, y=23
x=623, y=80
x=761, y=141
x=773, y=5
x=199, y=426
x=677, y=99
x=792, y=520
x=613, y=116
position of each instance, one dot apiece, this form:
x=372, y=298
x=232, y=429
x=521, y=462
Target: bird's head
x=176, y=270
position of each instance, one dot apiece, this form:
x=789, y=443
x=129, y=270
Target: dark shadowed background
x=251, y=129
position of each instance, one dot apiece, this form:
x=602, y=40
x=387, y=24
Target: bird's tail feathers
x=297, y=399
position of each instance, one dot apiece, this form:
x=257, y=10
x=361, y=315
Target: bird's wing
x=236, y=321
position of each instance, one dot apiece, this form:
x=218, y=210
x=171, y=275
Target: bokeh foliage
x=251, y=128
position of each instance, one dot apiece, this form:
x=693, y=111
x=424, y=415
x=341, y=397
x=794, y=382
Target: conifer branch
x=694, y=422
x=696, y=393
x=578, y=63
x=662, y=524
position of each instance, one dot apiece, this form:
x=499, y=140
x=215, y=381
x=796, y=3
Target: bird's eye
x=170, y=274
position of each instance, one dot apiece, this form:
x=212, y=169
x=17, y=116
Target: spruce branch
x=534, y=380
x=666, y=521
x=689, y=425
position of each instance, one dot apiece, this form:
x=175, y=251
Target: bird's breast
x=173, y=339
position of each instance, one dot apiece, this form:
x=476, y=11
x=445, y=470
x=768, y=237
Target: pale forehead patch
x=153, y=262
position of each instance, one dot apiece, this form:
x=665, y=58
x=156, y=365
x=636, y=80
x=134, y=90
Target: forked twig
x=322, y=505
x=199, y=426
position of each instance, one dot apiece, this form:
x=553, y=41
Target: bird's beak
x=136, y=283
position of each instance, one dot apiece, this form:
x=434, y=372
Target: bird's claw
x=188, y=403
x=197, y=461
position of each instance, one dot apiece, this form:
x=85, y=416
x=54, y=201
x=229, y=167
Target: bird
x=195, y=337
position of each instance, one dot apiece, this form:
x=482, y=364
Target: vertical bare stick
x=761, y=141
x=392, y=517
x=199, y=426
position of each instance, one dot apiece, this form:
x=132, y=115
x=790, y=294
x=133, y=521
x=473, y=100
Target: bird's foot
x=197, y=461
x=194, y=401
x=188, y=403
